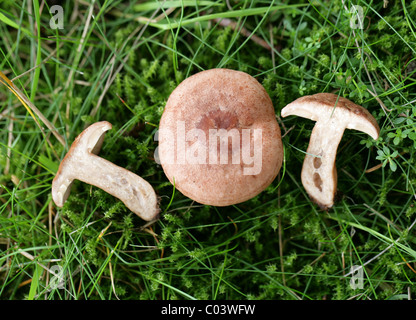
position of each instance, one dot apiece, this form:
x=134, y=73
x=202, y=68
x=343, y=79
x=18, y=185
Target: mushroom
x=82, y=163
x=333, y=114
x=201, y=116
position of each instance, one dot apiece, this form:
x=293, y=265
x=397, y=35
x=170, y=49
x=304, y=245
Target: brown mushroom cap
x=328, y=105
x=220, y=99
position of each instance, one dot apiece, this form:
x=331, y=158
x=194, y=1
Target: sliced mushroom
x=333, y=114
x=82, y=163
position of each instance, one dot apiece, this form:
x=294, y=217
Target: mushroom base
x=319, y=173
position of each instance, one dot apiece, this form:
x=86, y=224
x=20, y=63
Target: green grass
x=119, y=62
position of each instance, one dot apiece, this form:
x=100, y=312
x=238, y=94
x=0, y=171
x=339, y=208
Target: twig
x=282, y=265
x=381, y=164
x=383, y=217
x=365, y=66
x=112, y=77
x=32, y=108
x=158, y=18
x=310, y=264
x=9, y=144
x=32, y=258
x=33, y=68
x=225, y=22
x=272, y=45
x=77, y=57
x=381, y=253
x=379, y=101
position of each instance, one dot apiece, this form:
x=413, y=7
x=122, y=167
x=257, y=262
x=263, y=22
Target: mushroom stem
x=319, y=173
x=134, y=191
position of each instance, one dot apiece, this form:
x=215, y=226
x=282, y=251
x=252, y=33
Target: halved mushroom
x=333, y=114
x=82, y=163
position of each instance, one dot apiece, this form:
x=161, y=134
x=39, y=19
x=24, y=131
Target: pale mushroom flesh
x=82, y=163
x=333, y=114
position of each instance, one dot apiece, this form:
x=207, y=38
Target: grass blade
x=227, y=14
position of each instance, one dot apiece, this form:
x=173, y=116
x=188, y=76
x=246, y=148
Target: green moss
x=192, y=246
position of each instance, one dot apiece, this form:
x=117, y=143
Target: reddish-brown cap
x=219, y=141
x=328, y=105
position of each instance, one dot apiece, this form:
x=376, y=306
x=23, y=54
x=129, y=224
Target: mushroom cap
x=206, y=103
x=88, y=141
x=322, y=106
